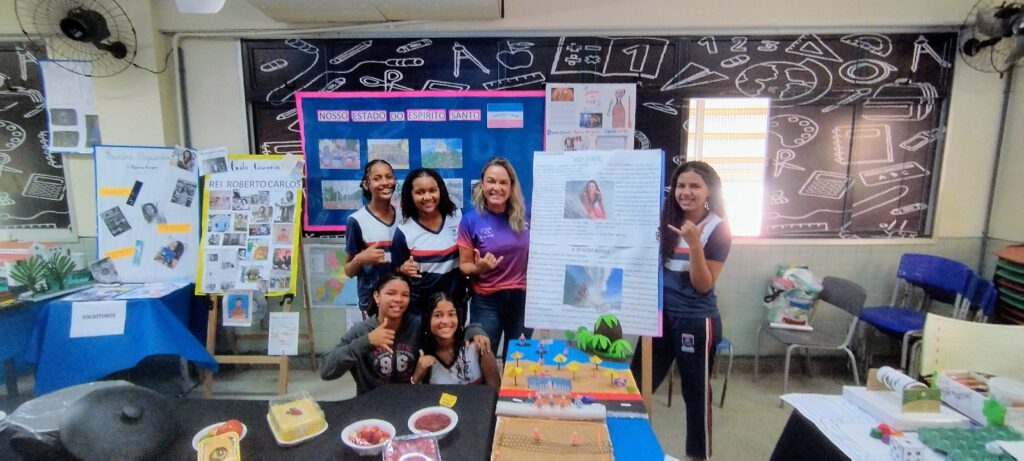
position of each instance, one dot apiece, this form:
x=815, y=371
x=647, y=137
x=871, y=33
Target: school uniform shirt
x=362, y=230
x=490, y=233
x=680, y=298
x=436, y=255
x=465, y=370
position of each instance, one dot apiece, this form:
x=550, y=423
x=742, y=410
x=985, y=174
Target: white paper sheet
x=590, y=116
x=284, y=333
x=71, y=105
x=98, y=318
x=212, y=161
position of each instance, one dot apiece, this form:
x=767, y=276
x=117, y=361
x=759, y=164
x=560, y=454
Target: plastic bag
x=42, y=415
x=791, y=295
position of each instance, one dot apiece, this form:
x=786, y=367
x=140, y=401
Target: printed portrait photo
x=183, y=193
x=220, y=200
x=115, y=221
x=170, y=254
x=599, y=288
x=588, y=199
x=237, y=308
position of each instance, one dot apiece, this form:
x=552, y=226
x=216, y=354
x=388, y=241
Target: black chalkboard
x=856, y=120
x=33, y=188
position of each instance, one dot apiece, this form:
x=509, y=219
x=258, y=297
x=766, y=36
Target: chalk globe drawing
x=786, y=83
x=11, y=136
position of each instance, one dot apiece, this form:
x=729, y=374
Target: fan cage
x=992, y=58
x=40, y=22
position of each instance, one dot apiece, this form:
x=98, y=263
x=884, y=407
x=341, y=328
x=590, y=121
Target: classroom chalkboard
x=855, y=126
x=33, y=186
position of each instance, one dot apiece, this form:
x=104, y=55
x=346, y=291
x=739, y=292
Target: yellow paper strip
x=120, y=253
x=115, y=191
x=173, y=228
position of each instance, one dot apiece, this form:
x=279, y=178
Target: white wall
x=1007, y=212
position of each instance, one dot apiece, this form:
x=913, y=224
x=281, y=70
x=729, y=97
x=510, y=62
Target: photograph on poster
x=590, y=120
x=341, y=195
x=339, y=154
x=282, y=258
x=280, y=283
x=262, y=213
x=454, y=186
x=215, y=165
x=184, y=159
x=599, y=288
x=92, y=130
x=170, y=253
x=240, y=223
x=572, y=142
x=115, y=221
x=394, y=151
x=214, y=240
x=218, y=222
x=259, y=230
x=259, y=249
x=253, y=273
x=282, y=234
x=237, y=308
x=220, y=200
x=588, y=199
x=151, y=213
x=63, y=117
x=562, y=94
x=441, y=153
x=238, y=202
x=243, y=255
x=233, y=239
x=184, y=191
x=286, y=208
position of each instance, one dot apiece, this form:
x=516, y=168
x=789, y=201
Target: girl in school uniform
x=695, y=241
x=369, y=230
x=424, y=246
x=445, y=356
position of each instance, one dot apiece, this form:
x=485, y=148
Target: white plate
x=437, y=434
x=206, y=430
x=369, y=450
x=296, y=441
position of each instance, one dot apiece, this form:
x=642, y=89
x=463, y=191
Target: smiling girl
x=445, y=358
x=424, y=246
x=369, y=230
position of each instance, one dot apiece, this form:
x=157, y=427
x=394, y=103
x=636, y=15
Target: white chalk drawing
x=34, y=96
x=286, y=114
x=24, y=58
x=29, y=218
x=4, y=160
x=281, y=147
x=778, y=197
x=892, y=173
x=739, y=45
x=390, y=62
x=641, y=140
x=663, y=107
x=517, y=56
x=866, y=71
x=854, y=95
x=923, y=138
x=686, y=125
x=921, y=45
x=274, y=96
x=513, y=82
x=51, y=159
x=787, y=83
x=907, y=209
x=811, y=46
x=826, y=184
x=776, y=215
x=782, y=160
x=691, y=75
x=12, y=135
x=901, y=100
x=334, y=84
x=440, y=85
x=709, y=44
x=844, y=232
x=734, y=61
x=462, y=53
x=43, y=186
x=618, y=56
x=862, y=144
x=799, y=228
x=271, y=66
x=7, y=107
x=786, y=126
x=347, y=54
x=415, y=45
x=5, y=198
x=876, y=44
x=881, y=199
x=28, y=226
x=389, y=82
x=891, y=231
x=768, y=46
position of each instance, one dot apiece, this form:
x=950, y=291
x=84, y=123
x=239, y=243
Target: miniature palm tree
x=514, y=372
x=573, y=366
x=559, y=360
x=598, y=342
x=535, y=368
x=59, y=266
x=596, y=361
x=29, y=272
x=611, y=375
x=619, y=349
x=516, y=356
x=582, y=337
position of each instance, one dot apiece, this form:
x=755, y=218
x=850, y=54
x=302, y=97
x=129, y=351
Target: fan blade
x=993, y=22
x=974, y=46
x=1016, y=51
x=116, y=49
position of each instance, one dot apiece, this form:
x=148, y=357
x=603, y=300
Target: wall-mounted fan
x=97, y=31
x=992, y=37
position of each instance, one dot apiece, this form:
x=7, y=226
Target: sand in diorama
x=585, y=378
x=530, y=439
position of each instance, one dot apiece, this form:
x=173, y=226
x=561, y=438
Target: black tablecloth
x=801, y=440
x=470, y=440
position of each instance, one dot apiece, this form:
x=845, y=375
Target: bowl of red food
x=367, y=437
x=436, y=421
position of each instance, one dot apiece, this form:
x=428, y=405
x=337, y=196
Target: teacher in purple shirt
x=494, y=247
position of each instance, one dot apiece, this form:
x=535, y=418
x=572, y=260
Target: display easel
x=645, y=374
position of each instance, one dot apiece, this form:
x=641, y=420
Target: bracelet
x=412, y=380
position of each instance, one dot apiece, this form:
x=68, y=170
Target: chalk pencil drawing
x=921, y=46
x=516, y=81
x=892, y=173
x=275, y=95
x=907, y=209
x=878, y=200
x=793, y=130
x=34, y=96
x=349, y=53
x=862, y=144
x=777, y=215
x=787, y=83
x=691, y=75
x=826, y=184
x=854, y=95
x=517, y=56
x=923, y=138
x=462, y=53
x=866, y=71
x=415, y=45
x=876, y=44
x=812, y=46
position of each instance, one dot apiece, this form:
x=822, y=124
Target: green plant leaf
x=609, y=320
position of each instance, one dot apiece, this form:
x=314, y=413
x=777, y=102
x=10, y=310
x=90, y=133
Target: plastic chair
x=723, y=345
x=977, y=309
x=937, y=278
x=841, y=293
x=950, y=344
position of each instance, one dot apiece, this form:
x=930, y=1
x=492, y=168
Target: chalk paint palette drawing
x=793, y=130
x=12, y=136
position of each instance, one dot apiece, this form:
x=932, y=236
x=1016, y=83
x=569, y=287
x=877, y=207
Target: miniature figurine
x=536, y=435
x=575, y=439
x=522, y=339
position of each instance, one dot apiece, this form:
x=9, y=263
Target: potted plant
x=58, y=267
x=30, y=272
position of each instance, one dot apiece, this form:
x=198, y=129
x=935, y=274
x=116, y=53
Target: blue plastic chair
x=937, y=278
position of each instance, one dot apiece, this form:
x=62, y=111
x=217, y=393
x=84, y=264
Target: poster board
x=146, y=220
x=326, y=282
x=612, y=264
x=73, y=121
x=450, y=131
x=250, y=230
x=595, y=116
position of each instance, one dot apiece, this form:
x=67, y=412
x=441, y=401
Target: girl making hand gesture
x=445, y=356
x=369, y=230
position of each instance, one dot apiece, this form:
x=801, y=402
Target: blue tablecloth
x=152, y=327
x=16, y=326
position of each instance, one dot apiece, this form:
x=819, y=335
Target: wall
x=1007, y=220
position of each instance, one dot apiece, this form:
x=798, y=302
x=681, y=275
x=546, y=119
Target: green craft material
x=967, y=444
x=995, y=413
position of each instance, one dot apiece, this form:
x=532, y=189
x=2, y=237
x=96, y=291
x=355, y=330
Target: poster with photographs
x=250, y=231
x=147, y=206
x=71, y=106
x=597, y=116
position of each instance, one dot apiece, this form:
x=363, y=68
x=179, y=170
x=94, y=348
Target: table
x=801, y=439
x=470, y=440
x=152, y=326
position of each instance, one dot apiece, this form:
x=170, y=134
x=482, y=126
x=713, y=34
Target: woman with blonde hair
x=494, y=245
